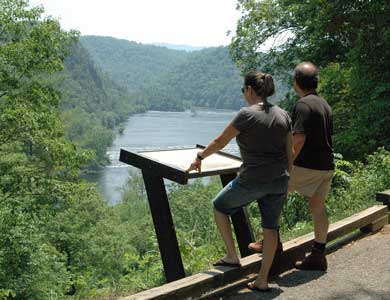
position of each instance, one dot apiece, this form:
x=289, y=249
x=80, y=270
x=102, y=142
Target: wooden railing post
x=384, y=197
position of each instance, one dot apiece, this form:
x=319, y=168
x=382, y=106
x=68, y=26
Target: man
x=313, y=167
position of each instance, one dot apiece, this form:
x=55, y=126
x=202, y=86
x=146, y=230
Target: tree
x=38, y=166
x=351, y=36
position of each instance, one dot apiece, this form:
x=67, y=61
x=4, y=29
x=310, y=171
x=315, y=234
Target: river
x=158, y=130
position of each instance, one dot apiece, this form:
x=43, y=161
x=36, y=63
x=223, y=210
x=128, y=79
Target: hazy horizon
x=199, y=23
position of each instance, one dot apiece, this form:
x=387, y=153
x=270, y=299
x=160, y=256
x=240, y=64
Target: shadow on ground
x=250, y=295
x=360, y=292
x=297, y=277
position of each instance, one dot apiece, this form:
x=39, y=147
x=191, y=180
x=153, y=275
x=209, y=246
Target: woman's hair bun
x=262, y=83
x=269, y=87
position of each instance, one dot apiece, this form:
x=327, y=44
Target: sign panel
x=172, y=164
x=182, y=158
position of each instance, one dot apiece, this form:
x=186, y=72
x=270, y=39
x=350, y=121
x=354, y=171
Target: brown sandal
x=223, y=263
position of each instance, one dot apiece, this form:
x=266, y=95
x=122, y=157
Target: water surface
x=155, y=130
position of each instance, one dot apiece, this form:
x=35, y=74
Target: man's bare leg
x=316, y=260
x=320, y=218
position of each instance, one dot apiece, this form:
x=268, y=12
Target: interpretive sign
x=172, y=164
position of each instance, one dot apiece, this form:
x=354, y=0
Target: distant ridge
x=160, y=78
x=187, y=48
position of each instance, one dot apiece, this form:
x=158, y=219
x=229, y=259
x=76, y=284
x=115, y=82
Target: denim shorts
x=271, y=198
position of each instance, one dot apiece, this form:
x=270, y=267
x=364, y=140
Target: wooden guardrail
x=198, y=285
x=384, y=197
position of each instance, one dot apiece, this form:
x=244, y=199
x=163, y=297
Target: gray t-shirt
x=262, y=142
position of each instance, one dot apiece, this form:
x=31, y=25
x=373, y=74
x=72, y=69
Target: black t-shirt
x=312, y=116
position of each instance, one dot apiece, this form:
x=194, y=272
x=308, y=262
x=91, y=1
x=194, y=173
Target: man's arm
x=300, y=118
x=298, y=142
x=290, y=151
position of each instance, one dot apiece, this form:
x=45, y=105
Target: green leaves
x=38, y=166
x=348, y=40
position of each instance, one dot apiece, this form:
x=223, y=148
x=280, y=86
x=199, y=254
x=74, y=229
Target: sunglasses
x=244, y=87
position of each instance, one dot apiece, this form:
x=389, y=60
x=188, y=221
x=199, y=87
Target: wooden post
x=384, y=197
x=164, y=227
x=241, y=224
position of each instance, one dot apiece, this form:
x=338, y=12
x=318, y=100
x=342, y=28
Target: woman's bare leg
x=225, y=229
x=269, y=248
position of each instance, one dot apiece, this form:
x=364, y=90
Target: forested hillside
x=207, y=78
x=169, y=79
x=92, y=104
x=137, y=67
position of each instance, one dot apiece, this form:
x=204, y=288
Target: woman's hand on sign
x=196, y=165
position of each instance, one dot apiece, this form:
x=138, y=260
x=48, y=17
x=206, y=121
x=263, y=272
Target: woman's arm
x=290, y=151
x=216, y=144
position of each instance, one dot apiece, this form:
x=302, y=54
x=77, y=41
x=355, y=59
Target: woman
x=264, y=138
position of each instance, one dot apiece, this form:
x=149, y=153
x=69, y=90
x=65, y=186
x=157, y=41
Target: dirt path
x=358, y=271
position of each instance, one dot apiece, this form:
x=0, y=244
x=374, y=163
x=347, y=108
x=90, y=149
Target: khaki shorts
x=309, y=182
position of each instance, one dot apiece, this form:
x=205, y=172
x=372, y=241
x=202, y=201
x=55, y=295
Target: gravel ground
x=358, y=271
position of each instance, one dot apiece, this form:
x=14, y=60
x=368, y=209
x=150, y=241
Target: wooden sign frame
x=154, y=172
x=170, y=171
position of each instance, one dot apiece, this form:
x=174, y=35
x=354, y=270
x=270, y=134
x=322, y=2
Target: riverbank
x=155, y=130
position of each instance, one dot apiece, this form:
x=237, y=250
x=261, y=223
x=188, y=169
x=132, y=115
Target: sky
x=201, y=23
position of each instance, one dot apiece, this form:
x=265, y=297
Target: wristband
x=198, y=156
